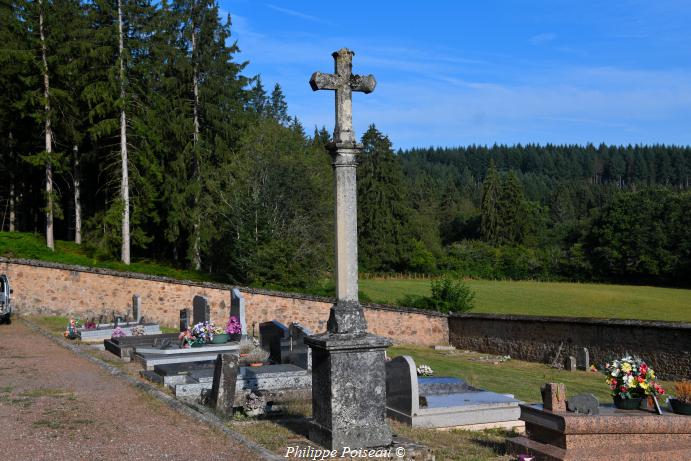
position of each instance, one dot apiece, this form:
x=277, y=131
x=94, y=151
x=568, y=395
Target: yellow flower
x=626, y=367
x=644, y=385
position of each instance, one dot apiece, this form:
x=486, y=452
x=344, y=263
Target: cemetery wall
x=666, y=346
x=43, y=287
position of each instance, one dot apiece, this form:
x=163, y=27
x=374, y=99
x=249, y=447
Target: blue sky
x=482, y=72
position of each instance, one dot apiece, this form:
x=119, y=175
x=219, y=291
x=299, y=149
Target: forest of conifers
x=129, y=127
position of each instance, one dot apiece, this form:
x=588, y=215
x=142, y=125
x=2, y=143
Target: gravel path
x=56, y=405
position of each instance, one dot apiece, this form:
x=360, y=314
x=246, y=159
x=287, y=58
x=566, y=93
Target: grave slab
x=105, y=331
x=443, y=401
x=626, y=435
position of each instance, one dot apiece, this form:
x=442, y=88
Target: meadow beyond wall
x=664, y=345
x=42, y=287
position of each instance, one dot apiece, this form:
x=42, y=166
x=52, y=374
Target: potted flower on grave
x=118, y=333
x=219, y=335
x=256, y=357
x=198, y=335
x=233, y=328
x=681, y=402
x=71, y=330
x=631, y=380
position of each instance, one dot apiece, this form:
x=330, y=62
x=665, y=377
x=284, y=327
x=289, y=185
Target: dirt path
x=56, y=405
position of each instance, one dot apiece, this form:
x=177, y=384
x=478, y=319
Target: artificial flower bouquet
x=631, y=378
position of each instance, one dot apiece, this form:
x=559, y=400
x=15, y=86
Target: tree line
x=129, y=127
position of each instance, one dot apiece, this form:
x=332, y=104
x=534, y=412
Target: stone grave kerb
x=348, y=363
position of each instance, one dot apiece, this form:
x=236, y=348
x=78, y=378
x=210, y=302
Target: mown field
x=552, y=298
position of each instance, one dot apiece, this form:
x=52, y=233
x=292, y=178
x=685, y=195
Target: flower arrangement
x=138, y=330
x=233, y=326
x=71, y=330
x=201, y=333
x=90, y=325
x=424, y=370
x=631, y=378
x=118, y=333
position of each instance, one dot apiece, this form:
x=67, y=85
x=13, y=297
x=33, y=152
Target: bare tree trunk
x=77, y=200
x=124, y=185
x=197, y=260
x=12, y=179
x=49, y=133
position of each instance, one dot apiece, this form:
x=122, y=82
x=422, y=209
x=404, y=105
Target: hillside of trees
x=129, y=127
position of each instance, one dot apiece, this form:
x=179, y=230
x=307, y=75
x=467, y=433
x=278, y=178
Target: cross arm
x=363, y=83
x=320, y=81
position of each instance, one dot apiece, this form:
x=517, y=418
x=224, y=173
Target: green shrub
x=448, y=295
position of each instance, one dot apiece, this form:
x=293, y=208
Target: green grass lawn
x=24, y=245
x=553, y=298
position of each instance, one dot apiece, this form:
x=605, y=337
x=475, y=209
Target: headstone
x=294, y=350
x=570, y=363
x=137, y=308
x=237, y=308
x=223, y=387
x=184, y=319
x=554, y=396
x=270, y=336
x=583, y=403
x=201, y=312
x=348, y=372
x=583, y=359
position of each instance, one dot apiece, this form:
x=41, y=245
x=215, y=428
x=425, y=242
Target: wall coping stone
x=213, y=285
x=581, y=320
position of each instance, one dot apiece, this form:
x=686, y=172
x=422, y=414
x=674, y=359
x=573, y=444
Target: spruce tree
x=489, y=211
x=382, y=210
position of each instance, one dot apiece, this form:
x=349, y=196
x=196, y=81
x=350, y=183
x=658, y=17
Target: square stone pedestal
x=349, y=391
x=622, y=435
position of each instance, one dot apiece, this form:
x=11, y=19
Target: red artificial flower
x=624, y=388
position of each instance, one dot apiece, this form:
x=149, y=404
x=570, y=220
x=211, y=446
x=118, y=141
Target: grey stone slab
x=201, y=311
x=402, y=386
x=136, y=308
x=105, y=332
x=470, y=400
x=224, y=382
x=270, y=335
x=583, y=403
x=149, y=361
x=184, y=368
x=237, y=308
x=272, y=378
x=202, y=375
x=217, y=348
x=443, y=385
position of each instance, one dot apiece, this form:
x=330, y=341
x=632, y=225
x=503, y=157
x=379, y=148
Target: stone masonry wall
x=41, y=287
x=665, y=346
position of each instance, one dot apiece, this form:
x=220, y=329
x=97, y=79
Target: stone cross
x=344, y=83
x=346, y=316
x=348, y=364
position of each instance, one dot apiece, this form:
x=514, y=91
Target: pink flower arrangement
x=233, y=326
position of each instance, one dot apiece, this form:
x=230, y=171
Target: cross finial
x=344, y=83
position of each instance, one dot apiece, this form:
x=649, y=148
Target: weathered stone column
x=348, y=368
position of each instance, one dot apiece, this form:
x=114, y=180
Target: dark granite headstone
x=402, y=392
x=583, y=358
x=223, y=387
x=137, y=308
x=270, y=334
x=294, y=350
x=201, y=311
x=583, y=403
x=184, y=319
